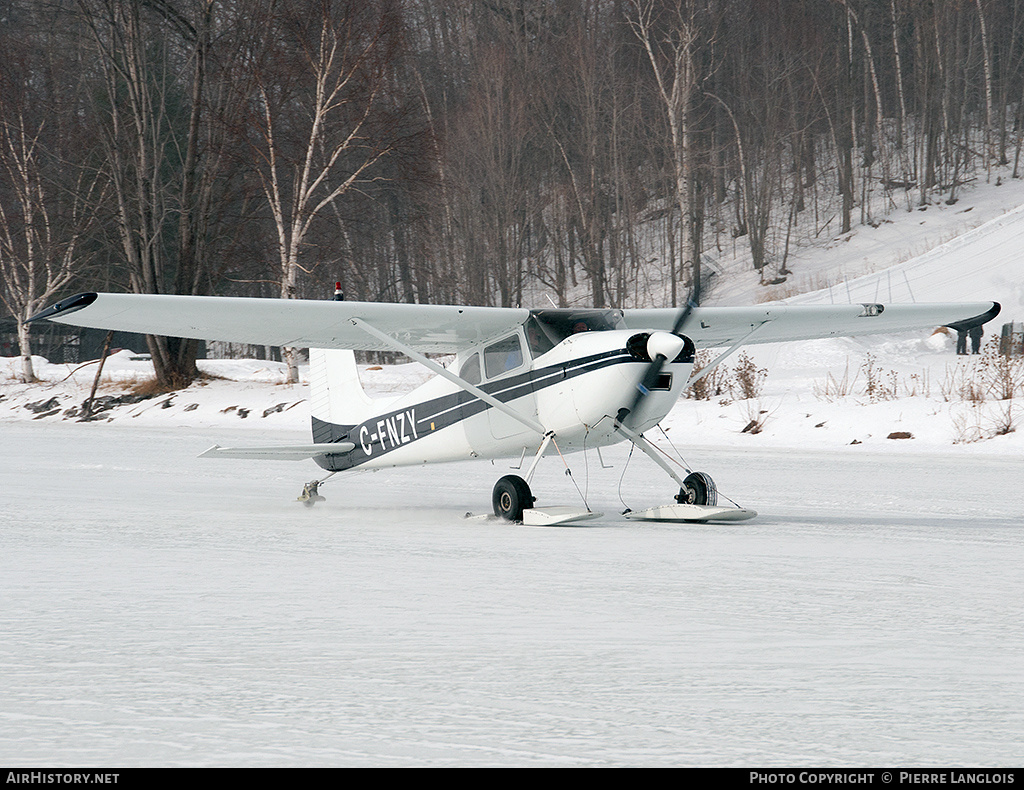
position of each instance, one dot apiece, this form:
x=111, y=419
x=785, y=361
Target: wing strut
x=447, y=374
x=721, y=357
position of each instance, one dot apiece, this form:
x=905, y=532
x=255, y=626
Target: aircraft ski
x=523, y=383
x=691, y=513
x=555, y=515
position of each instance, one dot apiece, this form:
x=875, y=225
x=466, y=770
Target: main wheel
x=511, y=496
x=698, y=489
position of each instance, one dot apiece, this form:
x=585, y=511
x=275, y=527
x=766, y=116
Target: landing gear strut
x=513, y=500
x=512, y=494
x=697, y=499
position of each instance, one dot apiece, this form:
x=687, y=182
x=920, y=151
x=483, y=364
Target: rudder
x=337, y=399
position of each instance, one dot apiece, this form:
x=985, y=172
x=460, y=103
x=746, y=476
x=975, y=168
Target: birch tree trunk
x=39, y=254
x=676, y=87
x=338, y=80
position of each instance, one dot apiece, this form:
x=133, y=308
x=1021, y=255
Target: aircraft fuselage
x=574, y=390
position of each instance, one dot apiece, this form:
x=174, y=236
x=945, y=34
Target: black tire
x=698, y=489
x=511, y=496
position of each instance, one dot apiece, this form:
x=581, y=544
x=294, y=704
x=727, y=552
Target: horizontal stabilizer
x=283, y=452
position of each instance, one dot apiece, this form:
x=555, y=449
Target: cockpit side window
x=503, y=356
x=470, y=370
x=539, y=337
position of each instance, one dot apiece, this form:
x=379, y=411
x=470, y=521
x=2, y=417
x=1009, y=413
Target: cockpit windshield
x=545, y=329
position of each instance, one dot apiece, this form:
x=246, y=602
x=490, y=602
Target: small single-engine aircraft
x=523, y=382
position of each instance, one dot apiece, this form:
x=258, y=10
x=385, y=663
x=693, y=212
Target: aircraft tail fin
x=337, y=399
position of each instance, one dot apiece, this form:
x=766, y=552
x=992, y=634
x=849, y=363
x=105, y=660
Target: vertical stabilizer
x=337, y=400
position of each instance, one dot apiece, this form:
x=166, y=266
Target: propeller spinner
x=661, y=348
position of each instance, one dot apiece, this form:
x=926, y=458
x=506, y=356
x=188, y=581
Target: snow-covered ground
x=159, y=609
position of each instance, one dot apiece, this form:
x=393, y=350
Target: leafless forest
x=473, y=151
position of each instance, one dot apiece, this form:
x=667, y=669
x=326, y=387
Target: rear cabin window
x=503, y=356
x=470, y=370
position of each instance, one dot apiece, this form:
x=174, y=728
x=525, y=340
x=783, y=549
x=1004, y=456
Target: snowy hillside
x=986, y=262
x=929, y=253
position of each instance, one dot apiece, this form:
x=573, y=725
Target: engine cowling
x=647, y=346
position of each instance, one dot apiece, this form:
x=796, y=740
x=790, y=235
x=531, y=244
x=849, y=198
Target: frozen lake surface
x=157, y=609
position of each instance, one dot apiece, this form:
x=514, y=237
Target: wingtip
x=65, y=306
x=978, y=320
x=982, y=318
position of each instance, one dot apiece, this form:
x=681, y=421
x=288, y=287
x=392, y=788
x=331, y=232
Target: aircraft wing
x=298, y=323
x=711, y=327
x=449, y=329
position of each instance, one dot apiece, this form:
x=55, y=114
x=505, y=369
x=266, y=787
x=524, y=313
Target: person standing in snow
x=961, y=342
x=976, y=333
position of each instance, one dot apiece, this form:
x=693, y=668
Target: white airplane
x=523, y=382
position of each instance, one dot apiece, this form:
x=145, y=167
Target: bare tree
x=558, y=143
x=493, y=167
x=48, y=201
x=671, y=45
x=317, y=86
x=580, y=109
x=986, y=53
x=39, y=243
x=164, y=160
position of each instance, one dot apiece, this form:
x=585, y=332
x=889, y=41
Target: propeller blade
x=650, y=377
x=683, y=315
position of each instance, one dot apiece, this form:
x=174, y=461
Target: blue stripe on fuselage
x=381, y=434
